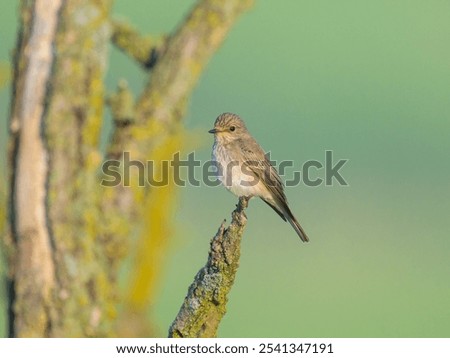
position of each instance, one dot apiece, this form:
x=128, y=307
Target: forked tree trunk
x=67, y=233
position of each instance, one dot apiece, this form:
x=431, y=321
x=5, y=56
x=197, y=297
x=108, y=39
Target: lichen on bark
x=64, y=266
x=205, y=302
x=79, y=290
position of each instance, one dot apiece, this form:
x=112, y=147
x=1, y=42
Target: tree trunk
x=64, y=280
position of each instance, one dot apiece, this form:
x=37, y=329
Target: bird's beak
x=212, y=131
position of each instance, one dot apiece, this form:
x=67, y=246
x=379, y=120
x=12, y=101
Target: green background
x=369, y=80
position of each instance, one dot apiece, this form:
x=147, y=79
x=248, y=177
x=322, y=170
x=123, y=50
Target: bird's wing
x=256, y=161
x=274, y=209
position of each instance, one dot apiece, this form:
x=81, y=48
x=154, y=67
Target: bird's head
x=228, y=127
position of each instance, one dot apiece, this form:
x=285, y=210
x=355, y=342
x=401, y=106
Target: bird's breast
x=233, y=172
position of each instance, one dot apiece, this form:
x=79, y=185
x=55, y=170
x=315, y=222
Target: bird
x=245, y=170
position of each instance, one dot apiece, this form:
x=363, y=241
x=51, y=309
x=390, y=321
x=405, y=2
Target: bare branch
x=143, y=49
x=205, y=303
x=186, y=54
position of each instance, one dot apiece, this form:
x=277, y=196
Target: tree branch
x=161, y=105
x=156, y=131
x=186, y=54
x=205, y=303
x=143, y=49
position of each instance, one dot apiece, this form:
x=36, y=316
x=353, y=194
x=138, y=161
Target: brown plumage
x=246, y=171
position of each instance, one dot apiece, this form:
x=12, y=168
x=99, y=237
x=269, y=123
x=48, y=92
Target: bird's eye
x=232, y=128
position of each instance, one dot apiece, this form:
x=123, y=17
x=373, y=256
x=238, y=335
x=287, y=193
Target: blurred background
x=369, y=81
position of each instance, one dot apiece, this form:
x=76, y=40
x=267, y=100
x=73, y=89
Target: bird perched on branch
x=245, y=170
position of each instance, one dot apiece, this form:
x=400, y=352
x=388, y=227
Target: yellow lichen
x=4, y=74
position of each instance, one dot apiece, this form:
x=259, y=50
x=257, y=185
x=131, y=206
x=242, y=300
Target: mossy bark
x=64, y=279
x=207, y=297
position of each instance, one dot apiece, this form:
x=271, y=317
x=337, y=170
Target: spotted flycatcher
x=245, y=170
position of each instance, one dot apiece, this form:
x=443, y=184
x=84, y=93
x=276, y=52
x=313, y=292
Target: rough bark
x=205, y=303
x=63, y=280
x=85, y=293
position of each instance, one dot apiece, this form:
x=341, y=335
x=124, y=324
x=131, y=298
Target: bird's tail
x=281, y=208
x=293, y=221
x=298, y=229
